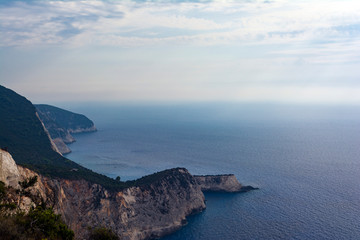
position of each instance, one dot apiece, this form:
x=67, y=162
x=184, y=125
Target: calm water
x=305, y=160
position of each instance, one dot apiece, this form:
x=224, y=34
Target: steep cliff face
x=53, y=144
x=157, y=206
x=135, y=213
x=143, y=212
x=9, y=173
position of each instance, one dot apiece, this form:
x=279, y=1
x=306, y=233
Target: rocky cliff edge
x=146, y=211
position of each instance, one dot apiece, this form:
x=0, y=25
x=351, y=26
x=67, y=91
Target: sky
x=285, y=51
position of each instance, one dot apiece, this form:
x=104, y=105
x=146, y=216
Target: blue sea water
x=304, y=159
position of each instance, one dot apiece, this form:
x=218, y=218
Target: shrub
x=28, y=182
x=102, y=233
x=2, y=190
x=10, y=229
x=44, y=223
x=39, y=223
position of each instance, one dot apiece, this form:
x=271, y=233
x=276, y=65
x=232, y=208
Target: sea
x=305, y=160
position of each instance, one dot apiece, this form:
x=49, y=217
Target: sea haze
x=305, y=160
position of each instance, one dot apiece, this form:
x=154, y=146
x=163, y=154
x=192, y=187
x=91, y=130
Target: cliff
x=156, y=205
x=142, y=212
x=9, y=173
x=146, y=211
x=61, y=123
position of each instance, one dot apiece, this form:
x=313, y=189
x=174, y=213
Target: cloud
x=134, y=23
x=183, y=49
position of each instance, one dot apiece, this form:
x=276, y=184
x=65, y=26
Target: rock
x=83, y=129
x=149, y=210
x=61, y=146
x=248, y=188
x=9, y=173
x=221, y=183
x=54, y=145
x=155, y=206
x=143, y=212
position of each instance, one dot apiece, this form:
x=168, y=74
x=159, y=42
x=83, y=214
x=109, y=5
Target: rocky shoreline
x=148, y=211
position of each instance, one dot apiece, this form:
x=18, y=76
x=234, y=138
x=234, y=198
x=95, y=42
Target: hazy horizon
x=281, y=51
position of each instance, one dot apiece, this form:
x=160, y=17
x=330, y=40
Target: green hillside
x=65, y=119
x=60, y=122
x=22, y=133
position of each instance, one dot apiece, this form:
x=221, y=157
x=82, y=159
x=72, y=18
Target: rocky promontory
x=155, y=206
x=221, y=183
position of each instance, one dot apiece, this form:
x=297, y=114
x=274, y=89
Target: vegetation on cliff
x=39, y=223
x=102, y=233
x=154, y=178
x=23, y=135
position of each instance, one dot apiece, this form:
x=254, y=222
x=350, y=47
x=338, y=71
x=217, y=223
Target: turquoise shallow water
x=305, y=160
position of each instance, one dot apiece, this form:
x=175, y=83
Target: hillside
x=60, y=118
x=61, y=123
x=22, y=133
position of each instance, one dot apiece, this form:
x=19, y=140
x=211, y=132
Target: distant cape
x=61, y=123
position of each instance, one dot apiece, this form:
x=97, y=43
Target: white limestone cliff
x=9, y=173
x=147, y=211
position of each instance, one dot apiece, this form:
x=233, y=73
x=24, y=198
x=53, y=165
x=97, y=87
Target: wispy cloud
x=133, y=23
x=184, y=49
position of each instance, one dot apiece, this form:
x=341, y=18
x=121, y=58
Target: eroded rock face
x=145, y=212
x=9, y=173
x=219, y=183
x=135, y=213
